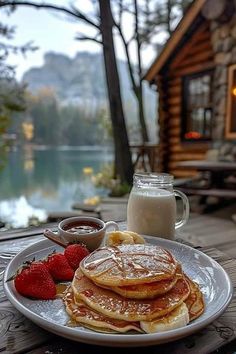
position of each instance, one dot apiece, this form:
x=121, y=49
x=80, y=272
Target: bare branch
x=82, y=37
x=138, y=40
x=126, y=47
x=147, y=13
x=74, y=12
x=131, y=39
x=128, y=10
x=120, y=12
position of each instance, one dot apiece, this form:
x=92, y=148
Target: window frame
x=229, y=134
x=185, y=96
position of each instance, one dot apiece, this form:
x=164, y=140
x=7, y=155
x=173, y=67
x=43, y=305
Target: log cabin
x=195, y=76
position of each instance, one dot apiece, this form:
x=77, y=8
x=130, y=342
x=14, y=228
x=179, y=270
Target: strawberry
x=34, y=280
x=59, y=267
x=75, y=253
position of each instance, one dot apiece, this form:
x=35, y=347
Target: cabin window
x=197, y=107
x=231, y=104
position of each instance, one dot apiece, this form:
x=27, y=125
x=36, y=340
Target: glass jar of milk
x=151, y=206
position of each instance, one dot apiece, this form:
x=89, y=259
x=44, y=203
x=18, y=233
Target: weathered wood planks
x=19, y=335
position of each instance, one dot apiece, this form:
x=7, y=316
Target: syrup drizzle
x=81, y=314
x=111, y=304
x=61, y=289
x=118, y=258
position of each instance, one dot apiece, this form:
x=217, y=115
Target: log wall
x=196, y=55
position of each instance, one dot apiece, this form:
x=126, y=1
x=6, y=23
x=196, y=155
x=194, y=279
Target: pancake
x=91, y=319
x=116, y=306
x=148, y=290
x=177, y=318
x=128, y=265
x=195, y=301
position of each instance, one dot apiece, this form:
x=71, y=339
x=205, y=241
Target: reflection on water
x=17, y=212
x=34, y=182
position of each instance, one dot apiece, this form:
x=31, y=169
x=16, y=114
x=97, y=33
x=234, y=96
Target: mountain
x=81, y=80
x=78, y=77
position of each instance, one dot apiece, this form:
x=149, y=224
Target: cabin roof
x=174, y=39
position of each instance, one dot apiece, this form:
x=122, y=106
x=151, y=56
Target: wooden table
x=19, y=335
x=205, y=165
x=218, y=170
x=216, y=179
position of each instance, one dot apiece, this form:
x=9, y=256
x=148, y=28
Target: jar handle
x=186, y=208
x=112, y=224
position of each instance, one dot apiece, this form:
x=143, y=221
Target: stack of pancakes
x=138, y=287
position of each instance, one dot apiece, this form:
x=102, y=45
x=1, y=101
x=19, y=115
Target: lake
x=34, y=182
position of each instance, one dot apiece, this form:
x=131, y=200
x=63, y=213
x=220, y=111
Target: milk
x=152, y=212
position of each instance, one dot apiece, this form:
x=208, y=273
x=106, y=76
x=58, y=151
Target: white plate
x=212, y=278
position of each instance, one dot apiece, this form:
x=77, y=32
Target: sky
x=51, y=32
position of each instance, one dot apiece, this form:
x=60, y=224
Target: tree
x=163, y=16
x=11, y=98
x=136, y=80
x=11, y=93
x=104, y=24
x=149, y=18
x=44, y=112
x=113, y=85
